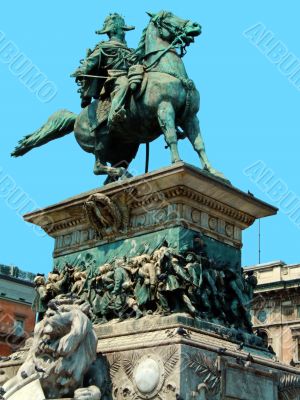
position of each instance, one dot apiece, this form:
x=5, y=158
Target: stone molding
x=180, y=195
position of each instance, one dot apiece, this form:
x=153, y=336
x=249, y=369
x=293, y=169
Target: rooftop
x=11, y=271
x=276, y=275
x=16, y=285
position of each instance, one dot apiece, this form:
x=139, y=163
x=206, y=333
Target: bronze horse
x=168, y=105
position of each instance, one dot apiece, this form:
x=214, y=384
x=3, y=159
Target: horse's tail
x=58, y=125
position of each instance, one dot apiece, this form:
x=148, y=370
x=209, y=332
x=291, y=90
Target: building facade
x=276, y=308
x=17, y=319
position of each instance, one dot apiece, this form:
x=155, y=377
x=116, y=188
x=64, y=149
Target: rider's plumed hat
x=112, y=22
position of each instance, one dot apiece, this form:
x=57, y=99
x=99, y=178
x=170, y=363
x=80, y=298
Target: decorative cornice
x=164, y=198
x=53, y=228
x=183, y=191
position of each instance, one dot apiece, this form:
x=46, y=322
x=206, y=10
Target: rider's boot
x=117, y=112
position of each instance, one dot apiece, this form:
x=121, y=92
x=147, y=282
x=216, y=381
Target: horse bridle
x=160, y=23
x=178, y=43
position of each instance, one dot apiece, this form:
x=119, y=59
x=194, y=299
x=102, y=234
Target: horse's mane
x=140, y=52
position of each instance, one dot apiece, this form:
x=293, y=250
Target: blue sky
x=249, y=110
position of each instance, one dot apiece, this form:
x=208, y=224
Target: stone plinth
x=174, y=204
x=174, y=358
x=177, y=357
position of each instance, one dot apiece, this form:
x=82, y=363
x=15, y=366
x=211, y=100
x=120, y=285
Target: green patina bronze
x=178, y=238
x=174, y=270
x=131, y=97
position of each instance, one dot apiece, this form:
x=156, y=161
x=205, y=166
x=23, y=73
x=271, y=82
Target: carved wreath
x=107, y=216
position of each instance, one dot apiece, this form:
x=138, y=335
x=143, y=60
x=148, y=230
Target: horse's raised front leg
x=191, y=128
x=166, y=118
x=101, y=167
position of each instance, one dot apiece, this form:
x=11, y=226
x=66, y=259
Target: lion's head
x=63, y=349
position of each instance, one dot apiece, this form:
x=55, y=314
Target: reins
x=177, y=43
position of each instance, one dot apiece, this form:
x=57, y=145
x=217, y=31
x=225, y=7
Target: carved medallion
x=196, y=216
x=148, y=376
x=229, y=230
x=144, y=375
x=213, y=223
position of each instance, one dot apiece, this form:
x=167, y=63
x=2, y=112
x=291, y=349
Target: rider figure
x=110, y=60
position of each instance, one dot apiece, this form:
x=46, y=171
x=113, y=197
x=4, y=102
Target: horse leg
x=102, y=144
x=166, y=119
x=191, y=128
x=101, y=168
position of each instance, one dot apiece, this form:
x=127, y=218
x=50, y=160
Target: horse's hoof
x=124, y=174
x=217, y=174
x=108, y=180
x=97, y=171
x=127, y=175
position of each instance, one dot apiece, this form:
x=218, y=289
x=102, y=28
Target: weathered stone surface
x=180, y=195
x=146, y=330
x=29, y=391
x=63, y=350
x=163, y=216
x=248, y=383
x=192, y=363
x=176, y=356
x=169, y=361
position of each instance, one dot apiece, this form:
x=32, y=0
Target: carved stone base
x=172, y=358
x=186, y=222
x=181, y=196
x=169, y=360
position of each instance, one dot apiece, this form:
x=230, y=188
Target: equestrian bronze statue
x=131, y=97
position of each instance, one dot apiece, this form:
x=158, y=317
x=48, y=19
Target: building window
x=287, y=308
x=264, y=336
x=19, y=327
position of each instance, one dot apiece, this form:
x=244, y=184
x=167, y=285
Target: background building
x=276, y=308
x=16, y=316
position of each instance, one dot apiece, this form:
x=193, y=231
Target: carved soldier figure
x=41, y=297
x=173, y=280
x=194, y=268
x=103, y=286
x=59, y=283
x=209, y=292
x=108, y=66
x=146, y=280
x=237, y=299
x=80, y=278
x=123, y=290
x=250, y=283
x=195, y=271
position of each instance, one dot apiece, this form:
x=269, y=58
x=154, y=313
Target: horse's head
x=171, y=27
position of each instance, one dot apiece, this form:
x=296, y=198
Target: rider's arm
x=92, y=61
x=89, y=63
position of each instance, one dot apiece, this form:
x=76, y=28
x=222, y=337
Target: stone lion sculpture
x=63, y=349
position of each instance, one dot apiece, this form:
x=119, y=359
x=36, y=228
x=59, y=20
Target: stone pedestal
x=175, y=356
x=128, y=218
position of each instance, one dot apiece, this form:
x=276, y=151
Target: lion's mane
x=63, y=349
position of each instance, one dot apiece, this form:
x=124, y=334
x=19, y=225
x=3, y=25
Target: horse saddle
x=98, y=110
